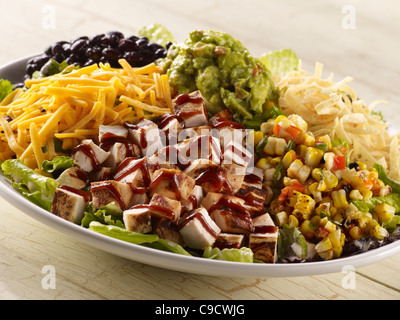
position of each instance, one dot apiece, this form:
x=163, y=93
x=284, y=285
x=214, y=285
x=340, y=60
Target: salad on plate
x=199, y=148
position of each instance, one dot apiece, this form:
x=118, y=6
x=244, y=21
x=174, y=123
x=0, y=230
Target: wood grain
x=313, y=29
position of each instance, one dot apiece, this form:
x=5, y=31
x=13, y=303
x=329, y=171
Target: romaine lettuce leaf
x=58, y=165
x=290, y=238
x=35, y=187
x=369, y=206
x=108, y=215
x=245, y=255
x=386, y=180
x=122, y=234
x=5, y=89
x=392, y=224
x=280, y=62
x=157, y=33
x=168, y=246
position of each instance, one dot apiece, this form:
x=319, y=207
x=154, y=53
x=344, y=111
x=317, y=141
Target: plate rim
x=181, y=263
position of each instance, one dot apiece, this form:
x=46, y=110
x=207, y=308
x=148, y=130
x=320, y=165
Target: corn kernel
x=367, y=194
x=313, y=157
x=293, y=221
x=258, y=136
x=385, y=212
x=355, y=195
x=379, y=232
x=326, y=255
x=340, y=199
x=306, y=229
x=316, y=220
x=323, y=245
x=304, y=207
x=355, y=233
x=301, y=150
x=289, y=158
x=335, y=238
x=318, y=174
x=281, y=219
x=362, y=165
x=263, y=164
x=328, y=225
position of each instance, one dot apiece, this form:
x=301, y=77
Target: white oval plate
x=14, y=72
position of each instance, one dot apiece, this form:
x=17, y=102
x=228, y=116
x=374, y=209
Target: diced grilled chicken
x=210, y=176
x=170, y=128
x=88, y=156
x=199, y=166
x=229, y=241
x=228, y=135
x=105, y=173
x=235, y=175
x=106, y=192
x=165, y=208
x=229, y=213
x=198, y=230
x=254, y=199
x=167, y=230
x=173, y=184
x=146, y=135
x=118, y=153
x=264, y=240
x=167, y=158
x=191, y=109
x=189, y=133
x=74, y=177
x=138, y=220
x=137, y=172
x=203, y=147
x=69, y=205
x=235, y=153
x=254, y=178
x=107, y=132
x=194, y=200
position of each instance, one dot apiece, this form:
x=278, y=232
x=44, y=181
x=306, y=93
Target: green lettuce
x=290, y=239
x=386, y=180
x=392, y=224
x=369, y=206
x=109, y=215
x=122, y=234
x=157, y=33
x=245, y=255
x=280, y=62
x=33, y=186
x=5, y=89
x=58, y=165
x=169, y=246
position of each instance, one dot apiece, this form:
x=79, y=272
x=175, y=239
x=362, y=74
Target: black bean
x=59, y=57
x=96, y=40
x=72, y=59
x=118, y=34
x=78, y=46
x=133, y=38
x=49, y=50
x=142, y=42
x=169, y=44
x=127, y=45
x=94, y=53
x=111, y=54
x=354, y=165
x=161, y=53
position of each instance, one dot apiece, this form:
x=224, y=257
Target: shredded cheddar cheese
x=72, y=106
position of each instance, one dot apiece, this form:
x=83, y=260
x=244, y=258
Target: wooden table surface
x=356, y=38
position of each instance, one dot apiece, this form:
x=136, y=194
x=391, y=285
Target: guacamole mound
x=223, y=70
